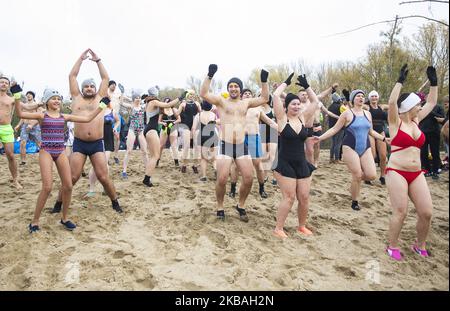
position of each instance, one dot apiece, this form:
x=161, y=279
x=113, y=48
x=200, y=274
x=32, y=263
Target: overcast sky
x=143, y=43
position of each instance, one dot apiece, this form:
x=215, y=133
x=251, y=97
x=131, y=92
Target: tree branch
x=385, y=22
x=438, y=1
x=428, y=18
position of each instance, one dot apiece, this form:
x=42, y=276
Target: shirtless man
x=233, y=111
x=88, y=141
x=313, y=124
x=6, y=130
x=116, y=101
x=253, y=142
x=29, y=129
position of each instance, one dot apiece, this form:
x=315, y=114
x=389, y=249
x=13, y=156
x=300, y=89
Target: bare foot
x=304, y=231
x=17, y=185
x=279, y=234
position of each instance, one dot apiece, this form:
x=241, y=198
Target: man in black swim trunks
x=232, y=112
x=88, y=140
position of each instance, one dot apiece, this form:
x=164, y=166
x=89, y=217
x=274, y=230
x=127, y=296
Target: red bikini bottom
x=408, y=176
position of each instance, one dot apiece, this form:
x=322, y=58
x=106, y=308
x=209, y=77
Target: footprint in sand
x=347, y=272
x=358, y=232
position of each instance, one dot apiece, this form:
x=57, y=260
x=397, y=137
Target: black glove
x=302, y=82
x=183, y=96
x=403, y=74
x=264, y=76
x=289, y=79
x=15, y=89
x=212, y=70
x=105, y=100
x=346, y=94
x=432, y=76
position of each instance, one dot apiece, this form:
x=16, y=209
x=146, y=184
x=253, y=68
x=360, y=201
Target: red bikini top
x=404, y=141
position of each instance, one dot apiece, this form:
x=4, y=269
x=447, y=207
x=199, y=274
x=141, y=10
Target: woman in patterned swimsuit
x=52, y=123
x=136, y=129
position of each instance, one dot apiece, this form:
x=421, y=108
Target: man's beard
x=88, y=95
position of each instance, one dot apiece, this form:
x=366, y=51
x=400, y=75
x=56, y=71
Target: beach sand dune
x=169, y=239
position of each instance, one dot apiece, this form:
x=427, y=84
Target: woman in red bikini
x=404, y=177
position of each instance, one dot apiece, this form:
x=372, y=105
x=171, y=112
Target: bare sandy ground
x=168, y=238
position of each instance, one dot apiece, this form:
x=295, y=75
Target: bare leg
x=186, y=136
x=316, y=154
x=23, y=150
x=144, y=148
x=309, y=150
x=303, y=188
x=130, y=143
x=63, y=166
x=174, y=145
x=46, y=166
x=9, y=151
x=398, y=194
x=99, y=164
x=353, y=163
x=154, y=147
x=163, y=141
x=382, y=154
x=223, y=169
x=203, y=161
x=245, y=166
x=288, y=188
x=421, y=197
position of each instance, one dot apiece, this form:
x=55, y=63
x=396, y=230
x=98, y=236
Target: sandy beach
x=169, y=239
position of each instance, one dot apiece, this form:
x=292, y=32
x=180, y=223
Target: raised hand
x=85, y=55
x=302, y=82
x=289, y=79
x=403, y=74
x=264, y=76
x=212, y=69
x=94, y=57
x=346, y=94
x=16, y=91
x=432, y=76
x=182, y=96
x=334, y=88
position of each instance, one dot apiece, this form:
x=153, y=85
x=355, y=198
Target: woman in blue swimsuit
x=356, y=145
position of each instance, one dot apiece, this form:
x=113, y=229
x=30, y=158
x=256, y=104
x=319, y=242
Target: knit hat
x=355, y=93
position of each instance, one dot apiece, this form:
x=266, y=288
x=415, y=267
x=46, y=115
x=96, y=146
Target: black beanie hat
x=289, y=97
x=237, y=81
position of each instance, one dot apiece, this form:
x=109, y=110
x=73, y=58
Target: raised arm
x=278, y=108
x=422, y=86
x=103, y=88
x=73, y=83
x=86, y=119
x=169, y=104
x=126, y=105
x=432, y=96
x=336, y=128
x=16, y=91
x=204, y=89
x=264, y=98
x=264, y=118
x=332, y=89
x=328, y=112
x=393, y=108
x=314, y=100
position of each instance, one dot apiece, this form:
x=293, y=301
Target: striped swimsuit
x=52, y=132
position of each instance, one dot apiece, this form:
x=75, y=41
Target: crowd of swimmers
x=239, y=134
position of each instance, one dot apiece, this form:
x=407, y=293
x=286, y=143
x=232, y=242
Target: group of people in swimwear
x=238, y=133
